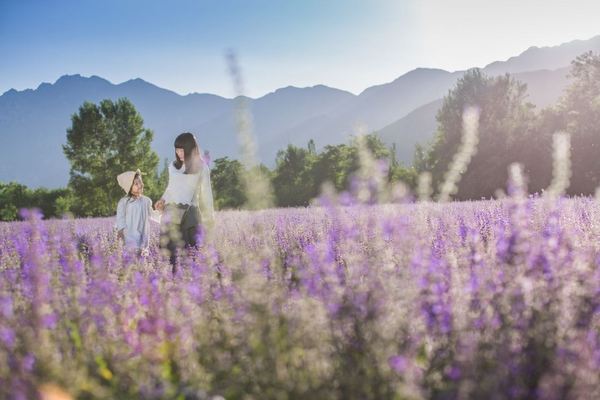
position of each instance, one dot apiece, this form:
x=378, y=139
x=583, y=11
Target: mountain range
x=33, y=122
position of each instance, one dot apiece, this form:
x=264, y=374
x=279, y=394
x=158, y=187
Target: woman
x=187, y=201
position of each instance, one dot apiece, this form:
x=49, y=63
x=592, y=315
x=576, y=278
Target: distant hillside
x=538, y=58
x=33, y=122
x=36, y=120
x=544, y=88
x=417, y=127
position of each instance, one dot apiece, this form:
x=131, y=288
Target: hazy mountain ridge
x=539, y=58
x=402, y=110
x=544, y=88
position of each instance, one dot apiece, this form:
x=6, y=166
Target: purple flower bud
x=398, y=363
x=28, y=362
x=7, y=336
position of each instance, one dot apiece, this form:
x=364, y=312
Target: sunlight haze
x=348, y=44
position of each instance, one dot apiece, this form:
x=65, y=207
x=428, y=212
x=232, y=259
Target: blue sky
x=348, y=44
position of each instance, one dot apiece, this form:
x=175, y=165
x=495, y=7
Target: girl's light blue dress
x=133, y=215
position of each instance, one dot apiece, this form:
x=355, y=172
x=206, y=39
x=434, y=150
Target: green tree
x=8, y=212
x=64, y=203
x=161, y=181
x=13, y=197
x=578, y=113
x=50, y=202
x=375, y=145
x=227, y=184
x=293, y=181
x=505, y=123
x=103, y=141
x=399, y=173
x=423, y=160
x=335, y=164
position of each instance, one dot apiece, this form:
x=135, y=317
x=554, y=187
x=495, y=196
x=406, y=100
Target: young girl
x=187, y=201
x=133, y=212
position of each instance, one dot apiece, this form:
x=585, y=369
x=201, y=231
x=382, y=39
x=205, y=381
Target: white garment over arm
x=191, y=189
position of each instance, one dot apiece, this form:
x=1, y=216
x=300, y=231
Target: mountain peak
x=319, y=87
x=67, y=80
x=546, y=57
x=308, y=93
x=287, y=88
x=10, y=92
x=290, y=88
x=136, y=81
x=425, y=70
x=139, y=85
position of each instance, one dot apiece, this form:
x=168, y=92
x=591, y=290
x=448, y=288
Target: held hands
x=159, y=205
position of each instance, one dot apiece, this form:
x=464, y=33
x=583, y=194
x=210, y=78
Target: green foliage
x=14, y=196
x=423, y=158
x=52, y=203
x=293, y=181
x=578, y=113
x=510, y=131
x=161, y=182
x=227, y=184
x=103, y=141
x=375, y=145
x=335, y=164
x=64, y=203
x=8, y=212
x=407, y=175
x=300, y=173
x=338, y=163
x=505, y=124
x=399, y=173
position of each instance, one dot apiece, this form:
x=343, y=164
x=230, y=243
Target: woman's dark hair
x=191, y=153
x=130, y=195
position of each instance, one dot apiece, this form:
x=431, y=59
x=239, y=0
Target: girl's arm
x=155, y=215
x=159, y=206
x=120, y=223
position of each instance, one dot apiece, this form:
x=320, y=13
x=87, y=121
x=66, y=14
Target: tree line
x=300, y=172
x=512, y=130
x=107, y=138
x=297, y=177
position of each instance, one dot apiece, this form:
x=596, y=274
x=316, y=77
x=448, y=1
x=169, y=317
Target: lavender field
x=474, y=300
